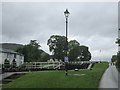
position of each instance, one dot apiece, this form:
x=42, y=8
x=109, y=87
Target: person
x=66, y=73
x=111, y=63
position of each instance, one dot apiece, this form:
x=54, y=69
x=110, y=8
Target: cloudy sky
x=92, y=24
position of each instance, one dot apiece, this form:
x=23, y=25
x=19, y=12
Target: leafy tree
x=118, y=39
x=72, y=44
x=118, y=60
x=74, y=53
x=45, y=56
x=73, y=50
x=77, y=52
x=118, y=54
x=114, y=58
x=13, y=63
x=85, y=55
x=57, y=45
x=118, y=42
x=31, y=51
x=6, y=63
x=35, y=44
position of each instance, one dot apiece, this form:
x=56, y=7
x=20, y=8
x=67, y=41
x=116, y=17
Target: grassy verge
x=57, y=79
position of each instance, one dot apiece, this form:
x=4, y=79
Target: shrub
x=118, y=60
x=13, y=63
x=6, y=64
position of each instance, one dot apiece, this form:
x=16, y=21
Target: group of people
x=113, y=63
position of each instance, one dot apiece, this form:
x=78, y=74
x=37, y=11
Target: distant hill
x=12, y=46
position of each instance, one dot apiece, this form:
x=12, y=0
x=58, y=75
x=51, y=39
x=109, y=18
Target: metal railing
x=41, y=65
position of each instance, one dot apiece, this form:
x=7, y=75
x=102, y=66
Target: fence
x=38, y=66
x=41, y=65
x=56, y=65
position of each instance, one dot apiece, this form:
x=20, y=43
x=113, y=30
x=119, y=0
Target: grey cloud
x=89, y=23
x=96, y=20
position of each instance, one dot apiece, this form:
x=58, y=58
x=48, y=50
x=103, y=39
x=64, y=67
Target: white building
x=10, y=55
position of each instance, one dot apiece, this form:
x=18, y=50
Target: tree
x=6, y=63
x=118, y=42
x=74, y=53
x=72, y=44
x=114, y=58
x=45, y=56
x=85, y=55
x=77, y=52
x=13, y=63
x=118, y=39
x=57, y=45
x=73, y=50
x=31, y=51
x=35, y=44
x=118, y=60
x=118, y=54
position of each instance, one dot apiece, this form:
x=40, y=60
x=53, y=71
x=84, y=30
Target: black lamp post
x=66, y=16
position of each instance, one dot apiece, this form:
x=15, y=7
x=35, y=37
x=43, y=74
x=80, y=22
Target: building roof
x=8, y=51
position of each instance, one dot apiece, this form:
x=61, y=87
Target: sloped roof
x=8, y=51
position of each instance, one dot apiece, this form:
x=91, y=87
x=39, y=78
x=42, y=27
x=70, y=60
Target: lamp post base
x=66, y=69
x=66, y=72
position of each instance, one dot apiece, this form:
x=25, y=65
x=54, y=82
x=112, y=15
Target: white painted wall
x=19, y=59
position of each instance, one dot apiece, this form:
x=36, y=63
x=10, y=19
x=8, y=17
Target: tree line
x=32, y=52
x=116, y=58
x=118, y=54
x=58, y=47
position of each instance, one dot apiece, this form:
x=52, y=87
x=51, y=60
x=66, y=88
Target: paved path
x=119, y=80
x=2, y=76
x=5, y=75
x=109, y=78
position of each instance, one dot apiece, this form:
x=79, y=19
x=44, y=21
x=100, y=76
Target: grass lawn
x=57, y=79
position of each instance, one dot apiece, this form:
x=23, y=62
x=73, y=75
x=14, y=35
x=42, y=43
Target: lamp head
x=66, y=13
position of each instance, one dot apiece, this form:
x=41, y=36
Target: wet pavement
x=109, y=78
x=5, y=75
x=119, y=80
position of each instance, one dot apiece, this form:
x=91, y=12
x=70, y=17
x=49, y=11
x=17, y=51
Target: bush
x=13, y=63
x=118, y=60
x=6, y=64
